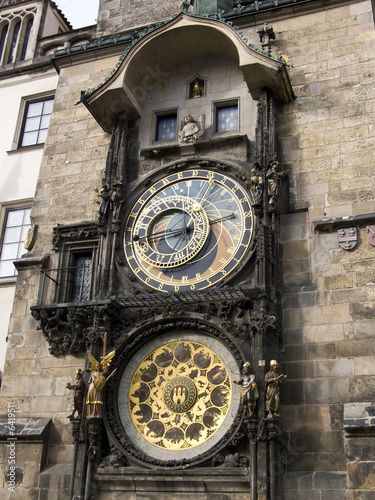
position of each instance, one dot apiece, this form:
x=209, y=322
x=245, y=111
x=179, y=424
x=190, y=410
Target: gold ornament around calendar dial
x=179, y=395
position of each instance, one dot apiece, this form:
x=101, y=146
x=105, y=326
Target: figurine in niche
x=272, y=383
x=256, y=183
x=79, y=391
x=249, y=390
x=197, y=91
x=191, y=128
x=98, y=379
x=117, y=200
x=274, y=176
x=102, y=200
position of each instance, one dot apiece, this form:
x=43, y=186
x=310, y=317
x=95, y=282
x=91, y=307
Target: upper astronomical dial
x=170, y=231
x=189, y=230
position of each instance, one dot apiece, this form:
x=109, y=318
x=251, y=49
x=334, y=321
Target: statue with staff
x=98, y=379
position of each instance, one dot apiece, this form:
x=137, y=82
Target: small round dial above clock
x=189, y=231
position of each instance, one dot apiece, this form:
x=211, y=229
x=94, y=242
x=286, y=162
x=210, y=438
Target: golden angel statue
x=98, y=379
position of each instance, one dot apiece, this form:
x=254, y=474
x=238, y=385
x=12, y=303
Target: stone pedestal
x=205, y=483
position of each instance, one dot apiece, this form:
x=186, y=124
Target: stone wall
x=328, y=141
x=327, y=136
x=118, y=15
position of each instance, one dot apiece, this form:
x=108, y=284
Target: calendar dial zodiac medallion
x=179, y=395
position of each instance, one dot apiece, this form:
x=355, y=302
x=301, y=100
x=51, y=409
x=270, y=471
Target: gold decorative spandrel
x=180, y=395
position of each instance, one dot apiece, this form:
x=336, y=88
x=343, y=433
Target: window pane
x=30, y=138
x=21, y=249
x=32, y=124
x=7, y=268
x=227, y=118
x=24, y=230
x=47, y=108
x=15, y=218
x=26, y=216
x=12, y=234
x=42, y=136
x=10, y=251
x=44, y=122
x=35, y=109
x=166, y=127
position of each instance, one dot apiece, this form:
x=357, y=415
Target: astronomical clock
x=189, y=231
x=186, y=236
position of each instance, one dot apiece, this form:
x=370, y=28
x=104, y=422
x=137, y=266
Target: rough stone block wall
x=119, y=15
x=328, y=144
x=329, y=355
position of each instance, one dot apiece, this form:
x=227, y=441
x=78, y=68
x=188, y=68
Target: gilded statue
x=98, y=378
x=272, y=383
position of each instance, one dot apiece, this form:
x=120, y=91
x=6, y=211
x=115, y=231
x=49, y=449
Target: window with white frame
x=16, y=224
x=35, y=122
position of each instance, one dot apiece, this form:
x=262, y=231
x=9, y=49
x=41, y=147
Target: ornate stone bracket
x=73, y=232
x=73, y=328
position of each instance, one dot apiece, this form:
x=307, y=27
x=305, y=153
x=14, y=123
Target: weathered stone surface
x=361, y=475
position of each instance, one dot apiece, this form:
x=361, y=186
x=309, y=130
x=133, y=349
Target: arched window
x=3, y=36
x=13, y=46
x=26, y=39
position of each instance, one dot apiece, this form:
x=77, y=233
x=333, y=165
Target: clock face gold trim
x=188, y=231
x=180, y=395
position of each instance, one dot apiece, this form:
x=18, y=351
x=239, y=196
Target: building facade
x=202, y=252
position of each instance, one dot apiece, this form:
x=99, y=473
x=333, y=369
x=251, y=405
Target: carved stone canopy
x=146, y=62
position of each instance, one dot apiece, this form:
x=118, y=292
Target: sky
x=79, y=12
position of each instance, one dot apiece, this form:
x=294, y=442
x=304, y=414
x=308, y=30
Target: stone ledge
x=200, y=480
x=31, y=262
x=359, y=417
x=24, y=429
x=338, y=222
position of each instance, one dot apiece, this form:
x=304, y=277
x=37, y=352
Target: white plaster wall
x=19, y=169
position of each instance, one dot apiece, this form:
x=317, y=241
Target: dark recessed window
x=3, y=36
x=14, y=43
x=166, y=127
x=26, y=39
x=16, y=224
x=226, y=118
x=81, y=279
x=36, y=122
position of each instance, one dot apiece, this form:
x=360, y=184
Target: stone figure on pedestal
x=272, y=383
x=97, y=381
x=249, y=390
x=192, y=127
x=79, y=392
x=274, y=176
